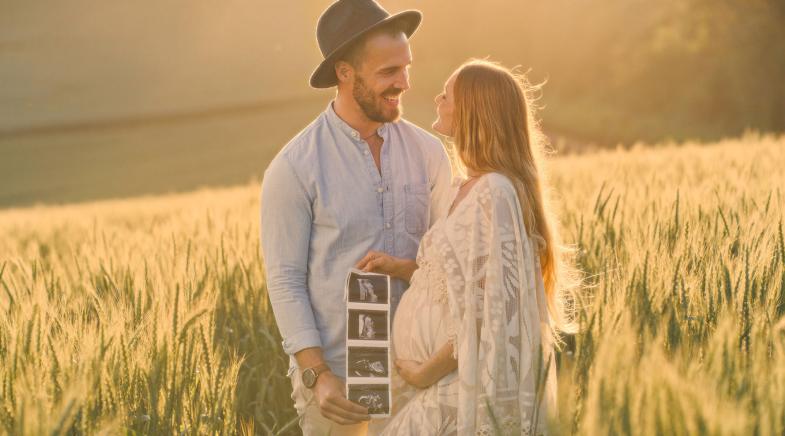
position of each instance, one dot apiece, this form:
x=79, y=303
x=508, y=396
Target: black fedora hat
x=344, y=22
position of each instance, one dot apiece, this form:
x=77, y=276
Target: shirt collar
x=336, y=121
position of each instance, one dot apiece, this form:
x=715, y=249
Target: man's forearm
x=309, y=357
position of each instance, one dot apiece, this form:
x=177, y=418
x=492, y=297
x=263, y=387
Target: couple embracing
x=475, y=261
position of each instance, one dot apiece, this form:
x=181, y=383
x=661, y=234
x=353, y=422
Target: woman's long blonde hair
x=495, y=130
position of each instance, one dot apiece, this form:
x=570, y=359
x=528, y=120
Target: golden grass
x=150, y=314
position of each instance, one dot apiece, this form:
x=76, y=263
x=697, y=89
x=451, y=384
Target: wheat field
x=149, y=315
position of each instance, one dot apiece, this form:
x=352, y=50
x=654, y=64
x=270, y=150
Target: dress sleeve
x=493, y=282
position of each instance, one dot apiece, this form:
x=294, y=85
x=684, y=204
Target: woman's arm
x=383, y=263
x=422, y=375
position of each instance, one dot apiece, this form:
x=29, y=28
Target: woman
x=473, y=336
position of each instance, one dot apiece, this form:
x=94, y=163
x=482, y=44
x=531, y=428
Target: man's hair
x=354, y=53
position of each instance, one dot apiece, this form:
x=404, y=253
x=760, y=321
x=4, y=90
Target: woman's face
x=445, y=104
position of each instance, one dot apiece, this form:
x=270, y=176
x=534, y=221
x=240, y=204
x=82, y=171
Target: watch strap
x=318, y=369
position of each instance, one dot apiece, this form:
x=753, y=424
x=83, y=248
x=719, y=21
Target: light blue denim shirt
x=325, y=205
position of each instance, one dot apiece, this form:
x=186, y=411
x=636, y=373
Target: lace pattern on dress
x=436, y=283
x=492, y=287
x=481, y=262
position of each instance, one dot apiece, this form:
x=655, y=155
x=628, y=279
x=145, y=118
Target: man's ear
x=344, y=71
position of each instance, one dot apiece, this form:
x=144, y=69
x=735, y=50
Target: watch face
x=309, y=378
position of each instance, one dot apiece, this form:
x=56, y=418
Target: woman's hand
x=422, y=375
x=414, y=373
x=383, y=263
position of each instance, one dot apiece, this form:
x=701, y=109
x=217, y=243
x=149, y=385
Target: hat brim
x=324, y=75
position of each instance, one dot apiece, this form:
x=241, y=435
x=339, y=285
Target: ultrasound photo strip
x=368, y=341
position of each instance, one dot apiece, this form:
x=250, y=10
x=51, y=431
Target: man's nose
x=403, y=81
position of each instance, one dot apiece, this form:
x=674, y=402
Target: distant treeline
x=627, y=70
x=616, y=70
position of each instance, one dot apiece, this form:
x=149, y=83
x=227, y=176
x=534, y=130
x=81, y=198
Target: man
x=356, y=179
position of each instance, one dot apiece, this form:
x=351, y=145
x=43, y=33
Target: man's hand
x=383, y=263
x=331, y=398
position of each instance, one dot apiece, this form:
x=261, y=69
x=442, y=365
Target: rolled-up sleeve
x=286, y=218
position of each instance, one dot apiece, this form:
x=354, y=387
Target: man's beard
x=372, y=107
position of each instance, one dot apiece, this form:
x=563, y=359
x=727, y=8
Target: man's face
x=383, y=76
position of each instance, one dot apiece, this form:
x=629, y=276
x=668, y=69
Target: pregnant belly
x=418, y=326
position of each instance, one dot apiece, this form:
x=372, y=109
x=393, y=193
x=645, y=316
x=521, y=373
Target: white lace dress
x=478, y=286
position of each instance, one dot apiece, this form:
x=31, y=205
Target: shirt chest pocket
x=416, y=210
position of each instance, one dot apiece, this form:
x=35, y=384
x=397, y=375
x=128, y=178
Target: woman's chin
x=438, y=129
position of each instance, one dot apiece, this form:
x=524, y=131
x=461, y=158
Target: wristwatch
x=311, y=374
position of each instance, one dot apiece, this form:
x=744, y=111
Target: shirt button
x=365, y=152
x=388, y=225
x=380, y=190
